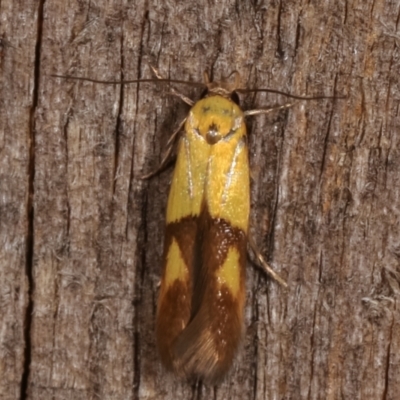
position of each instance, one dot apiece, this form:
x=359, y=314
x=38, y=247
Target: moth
x=200, y=313
x=200, y=308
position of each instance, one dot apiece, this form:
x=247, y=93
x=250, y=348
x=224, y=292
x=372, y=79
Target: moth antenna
x=173, y=91
x=293, y=96
x=163, y=80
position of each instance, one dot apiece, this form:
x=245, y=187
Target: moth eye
x=235, y=98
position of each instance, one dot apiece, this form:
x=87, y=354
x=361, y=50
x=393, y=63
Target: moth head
x=226, y=87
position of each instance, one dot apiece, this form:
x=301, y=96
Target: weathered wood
x=18, y=96
x=325, y=195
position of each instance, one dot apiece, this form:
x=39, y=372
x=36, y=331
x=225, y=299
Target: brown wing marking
x=206, y=347
x=174, y=304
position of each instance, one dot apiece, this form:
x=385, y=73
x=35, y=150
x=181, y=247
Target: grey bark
x=81, y=234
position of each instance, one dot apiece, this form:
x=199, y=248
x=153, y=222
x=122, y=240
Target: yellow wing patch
x=227, y=193
x=229, y=273
x=176, y=268
x=186, y=193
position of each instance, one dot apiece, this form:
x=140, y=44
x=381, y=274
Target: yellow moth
x=201, y=303
x=200, y=311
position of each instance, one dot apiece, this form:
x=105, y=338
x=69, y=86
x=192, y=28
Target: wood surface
x=81, y=233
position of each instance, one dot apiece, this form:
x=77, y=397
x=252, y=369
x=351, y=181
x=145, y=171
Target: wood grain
x=81, y=234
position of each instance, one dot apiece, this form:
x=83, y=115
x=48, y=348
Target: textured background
x=81, y=235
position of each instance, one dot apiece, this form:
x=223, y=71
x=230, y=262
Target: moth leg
x=263, y=263
x=269, y=110
x=182, y=97
x=173, y=91
x=167, y=155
